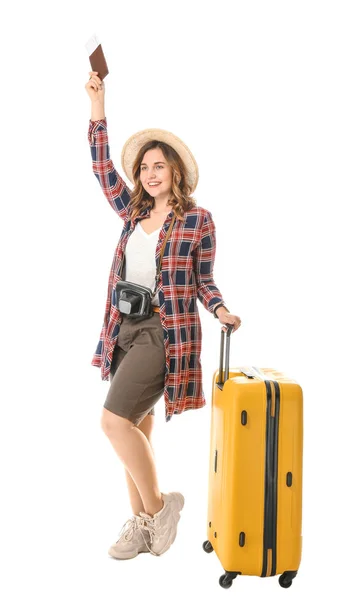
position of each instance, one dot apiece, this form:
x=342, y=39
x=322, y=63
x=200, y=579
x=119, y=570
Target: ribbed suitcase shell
x=255, y=476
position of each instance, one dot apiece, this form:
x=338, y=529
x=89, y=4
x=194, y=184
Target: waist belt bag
x=135, y=300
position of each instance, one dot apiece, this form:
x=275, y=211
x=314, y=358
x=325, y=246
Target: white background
x=265, y=95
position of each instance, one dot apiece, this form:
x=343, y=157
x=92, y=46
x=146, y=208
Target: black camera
x=134, y=300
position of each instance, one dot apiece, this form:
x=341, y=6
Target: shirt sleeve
x=203, y=265
x=113, y=186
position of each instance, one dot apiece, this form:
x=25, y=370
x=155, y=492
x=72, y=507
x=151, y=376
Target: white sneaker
x=162, y=526
x=132, y=540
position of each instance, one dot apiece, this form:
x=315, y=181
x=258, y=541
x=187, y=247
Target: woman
x=161, y=353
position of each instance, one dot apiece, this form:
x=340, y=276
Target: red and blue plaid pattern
x=186, y=274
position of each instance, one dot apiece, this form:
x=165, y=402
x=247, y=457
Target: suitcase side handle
x=220, y=382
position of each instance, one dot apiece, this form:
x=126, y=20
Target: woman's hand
x=229, y=318
x=95, y=87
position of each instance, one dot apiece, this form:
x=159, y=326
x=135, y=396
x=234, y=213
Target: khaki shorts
x=138, y=369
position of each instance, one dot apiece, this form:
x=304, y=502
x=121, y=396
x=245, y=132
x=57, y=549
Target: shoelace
x=132, y=525
x=147, y=523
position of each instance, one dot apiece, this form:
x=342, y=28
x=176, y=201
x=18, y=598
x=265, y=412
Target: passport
x=96, y=57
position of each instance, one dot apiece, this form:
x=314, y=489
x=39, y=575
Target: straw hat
x=137, y=140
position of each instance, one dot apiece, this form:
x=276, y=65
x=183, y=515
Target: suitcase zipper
x=271, y=465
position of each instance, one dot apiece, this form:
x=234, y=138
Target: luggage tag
x=254, y=372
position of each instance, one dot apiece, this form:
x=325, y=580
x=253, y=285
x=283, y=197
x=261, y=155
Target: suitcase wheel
x=285, y=580
x=207, y=546
x=227, y=579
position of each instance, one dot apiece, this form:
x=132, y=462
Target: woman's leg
x=135, y=452
x=146, y=426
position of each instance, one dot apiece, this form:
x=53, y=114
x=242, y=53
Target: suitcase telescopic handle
x=220, y=382
x=250, y=373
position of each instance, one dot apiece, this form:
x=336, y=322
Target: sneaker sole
x=125, y=556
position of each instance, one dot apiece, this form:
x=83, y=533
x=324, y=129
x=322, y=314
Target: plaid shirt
x=186, y=274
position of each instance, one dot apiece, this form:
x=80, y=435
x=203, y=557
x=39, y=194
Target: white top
x=140, y=258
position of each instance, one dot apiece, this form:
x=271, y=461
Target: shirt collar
x=146, y=212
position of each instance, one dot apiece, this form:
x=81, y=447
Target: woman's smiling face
x=154, y=168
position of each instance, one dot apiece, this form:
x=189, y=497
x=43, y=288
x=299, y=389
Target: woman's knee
x=113, y=424
x=146, y=425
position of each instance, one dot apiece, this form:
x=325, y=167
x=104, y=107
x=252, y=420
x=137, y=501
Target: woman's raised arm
x=113, y=185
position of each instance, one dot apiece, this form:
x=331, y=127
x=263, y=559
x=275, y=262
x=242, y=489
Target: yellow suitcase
x=255, y=477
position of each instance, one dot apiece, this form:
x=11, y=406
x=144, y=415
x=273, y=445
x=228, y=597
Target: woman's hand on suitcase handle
x=228, y=318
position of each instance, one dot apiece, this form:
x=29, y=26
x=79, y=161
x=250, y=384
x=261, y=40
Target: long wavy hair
x=180, y=199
